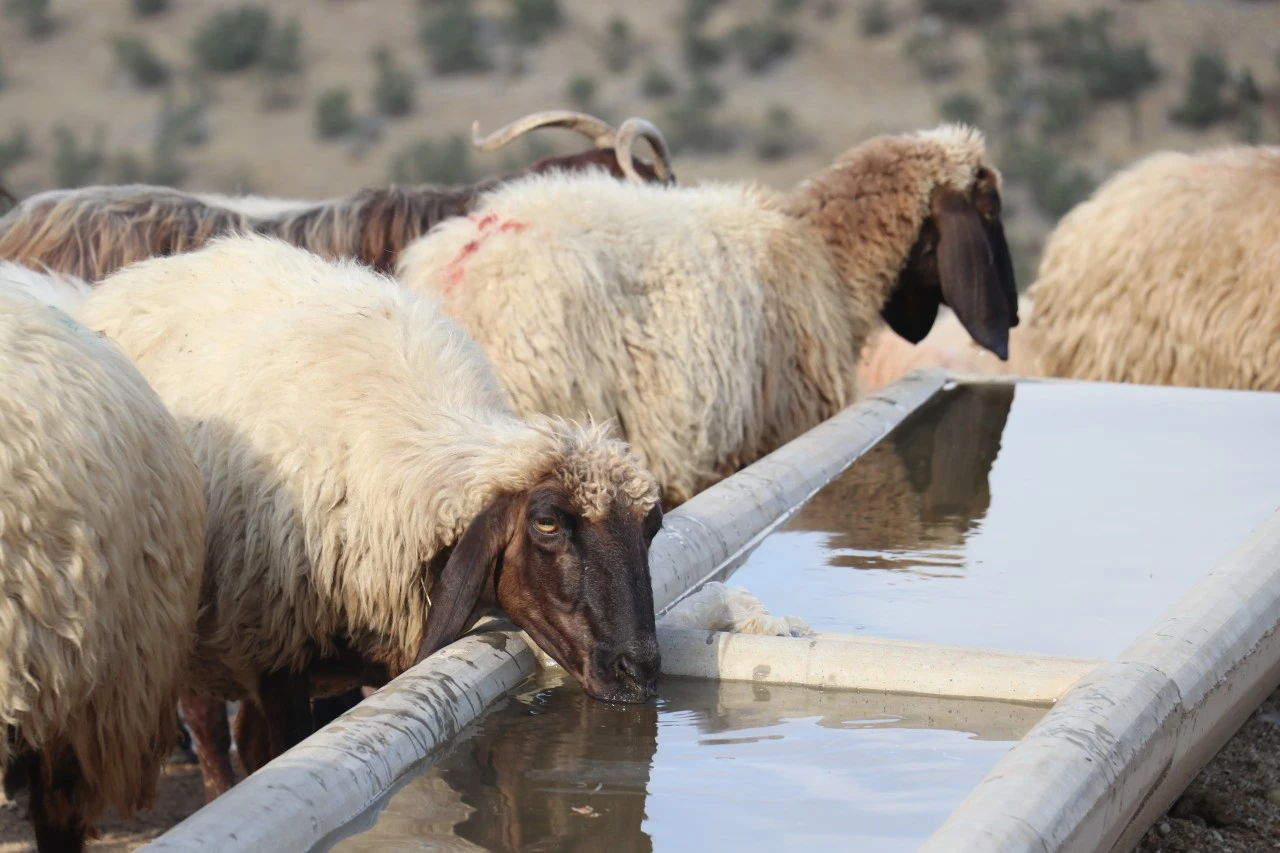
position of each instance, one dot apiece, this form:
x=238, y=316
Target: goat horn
x=633, y=127
x=597, y=130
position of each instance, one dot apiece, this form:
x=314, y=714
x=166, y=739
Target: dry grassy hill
x=837, y=84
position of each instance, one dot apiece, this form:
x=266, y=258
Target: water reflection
x=723, y=765
x=910, y=501
x=1062, y=521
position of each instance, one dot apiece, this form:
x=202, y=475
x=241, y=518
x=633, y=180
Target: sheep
x=887, y=357
x=92, y=232
x=1169, y=274
x=365, y=478
x=714, y=323
x=101, y=556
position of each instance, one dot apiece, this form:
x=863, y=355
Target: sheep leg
x=286, y=709
x=207, y=719
x=252, y=740
x=55, y=806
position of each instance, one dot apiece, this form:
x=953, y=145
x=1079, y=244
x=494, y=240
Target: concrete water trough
x=1041, y=607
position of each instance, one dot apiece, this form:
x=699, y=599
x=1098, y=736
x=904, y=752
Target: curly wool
x=347, y=431
x=1169, y=274
x=101, y=552
x=711, y=324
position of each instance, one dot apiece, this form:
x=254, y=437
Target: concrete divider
x=1122, y=744
x=870, y=664
x=330, y=778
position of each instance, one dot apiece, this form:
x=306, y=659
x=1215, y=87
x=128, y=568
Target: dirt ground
x=1233, y=806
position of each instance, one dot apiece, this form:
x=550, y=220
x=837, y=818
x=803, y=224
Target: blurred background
x=314, y=99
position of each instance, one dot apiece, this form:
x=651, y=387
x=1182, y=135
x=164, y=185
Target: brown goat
x=92, y=232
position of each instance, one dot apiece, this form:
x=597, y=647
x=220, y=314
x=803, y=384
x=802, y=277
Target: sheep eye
x=546, y=524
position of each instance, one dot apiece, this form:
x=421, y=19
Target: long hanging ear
x=971, y=284
x=456, y=592
x=1004, y=267
x=911, y=309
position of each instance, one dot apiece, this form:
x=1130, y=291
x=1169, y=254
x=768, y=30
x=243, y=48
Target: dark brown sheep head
x=960, y=259
x=569, y=563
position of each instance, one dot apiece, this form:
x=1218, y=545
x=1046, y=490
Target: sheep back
x=1168, y=274
x=587, y=295
x=101, y=551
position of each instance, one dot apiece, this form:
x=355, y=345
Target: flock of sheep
x=275, y=451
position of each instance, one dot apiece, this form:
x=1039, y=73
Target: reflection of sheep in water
x=530, y=763
x=922, y=487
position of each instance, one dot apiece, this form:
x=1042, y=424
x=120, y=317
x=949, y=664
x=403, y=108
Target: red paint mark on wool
x=455, y=271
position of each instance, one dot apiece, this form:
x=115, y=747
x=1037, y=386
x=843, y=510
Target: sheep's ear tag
x=971, y=281
x=911, y=309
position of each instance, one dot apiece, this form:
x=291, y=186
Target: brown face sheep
x=92, y=232
x=371, y=493
x=714, y=323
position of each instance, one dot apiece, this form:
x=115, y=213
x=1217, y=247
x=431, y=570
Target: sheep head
x=960, y=259
x=568, y=560
x=613, y=148
x=914, y=221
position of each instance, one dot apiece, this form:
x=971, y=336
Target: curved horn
x=597, y=130
x=633, y=127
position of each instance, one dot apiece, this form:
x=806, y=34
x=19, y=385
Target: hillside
x=1044, y=104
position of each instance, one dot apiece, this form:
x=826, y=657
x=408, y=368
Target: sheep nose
x=638, y=669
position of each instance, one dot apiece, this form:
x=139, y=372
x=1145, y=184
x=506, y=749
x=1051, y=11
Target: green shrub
x=776, y=137
x=1249, y=124
x=966, y=11
x=828, y=9
x=763, y=43
x=875, y=19
x=1055, y=185
x=1110, y=71
x=964, y=107
x=787, y=7
x=581, y=92
x=232, y=39
x=1062, y=107
x=143, y=67
x=393, y=90
x=73, y=165
x=429, y=161
x=34, y=14
x=690, y=123
x=656, y=83
x=931, y=52
x=14, y=150
x=1205, y=102
x=696, y=12
x=618, y=46
x=700, y=52
x=451, y=38
x=333, y=113
x=282, y=50
x=532, y=20
x=147, y=8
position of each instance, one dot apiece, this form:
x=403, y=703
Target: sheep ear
x=970, y=273
x=1004, y=268
x=911, y=310
x=456, y=593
